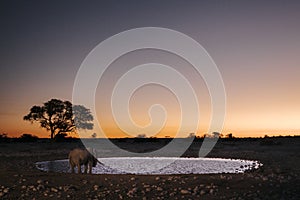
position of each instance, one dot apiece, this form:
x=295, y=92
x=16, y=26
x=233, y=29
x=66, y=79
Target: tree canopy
x=59, y=116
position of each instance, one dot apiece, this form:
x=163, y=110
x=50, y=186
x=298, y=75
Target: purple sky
x=255, y=45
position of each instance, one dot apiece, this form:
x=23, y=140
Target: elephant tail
x=99, y=162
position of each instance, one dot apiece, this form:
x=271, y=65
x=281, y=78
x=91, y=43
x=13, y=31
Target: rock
x=96, y=187
x=23, y=187
x=157, y=178
x=6, y=190
x=196, y=190
x=132, y=179
x=184, y=192
x=222, y=177
x=159, y=189
x=40, y=187
x=39, y=181
x=131, y=192
x=211, y=191
x=202, y=192
x=71, y=187
x=2, y=194
x=54, y=190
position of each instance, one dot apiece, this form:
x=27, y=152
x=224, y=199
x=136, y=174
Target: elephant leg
x=79, y=168
x=85, y=168
x=90, y=167
x=72, y=168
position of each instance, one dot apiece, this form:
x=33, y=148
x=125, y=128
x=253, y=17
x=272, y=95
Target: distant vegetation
x=27, y=137
x=141, y=136
x=60, y=117
x=63, y=137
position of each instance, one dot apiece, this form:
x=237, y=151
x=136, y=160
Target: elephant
x=78, y=157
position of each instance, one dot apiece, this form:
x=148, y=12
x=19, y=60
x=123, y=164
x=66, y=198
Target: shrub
x=26, y=137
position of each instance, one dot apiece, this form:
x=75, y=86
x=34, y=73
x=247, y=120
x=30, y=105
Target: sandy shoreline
x=277, y=179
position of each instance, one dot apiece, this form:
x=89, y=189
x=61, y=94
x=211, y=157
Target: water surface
x=158, y=165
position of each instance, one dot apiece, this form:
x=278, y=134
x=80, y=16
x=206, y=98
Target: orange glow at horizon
x=111, y=133
x=14, y=127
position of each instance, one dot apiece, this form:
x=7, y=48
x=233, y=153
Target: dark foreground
x=277, y=179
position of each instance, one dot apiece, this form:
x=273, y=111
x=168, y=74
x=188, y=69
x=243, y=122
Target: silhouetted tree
x=230, y=136
x=59, y=116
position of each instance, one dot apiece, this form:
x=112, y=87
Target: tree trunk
x=52, y=134
x=51, y=128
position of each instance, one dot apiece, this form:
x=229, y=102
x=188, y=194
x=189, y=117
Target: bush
x=60, y=137
x=26, y=137
x=3, y=137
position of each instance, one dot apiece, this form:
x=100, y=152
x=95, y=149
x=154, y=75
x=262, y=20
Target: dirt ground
x=278, y=178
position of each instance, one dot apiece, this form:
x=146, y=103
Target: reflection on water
x=157, y=165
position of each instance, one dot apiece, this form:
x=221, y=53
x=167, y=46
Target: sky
x=254, y=44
